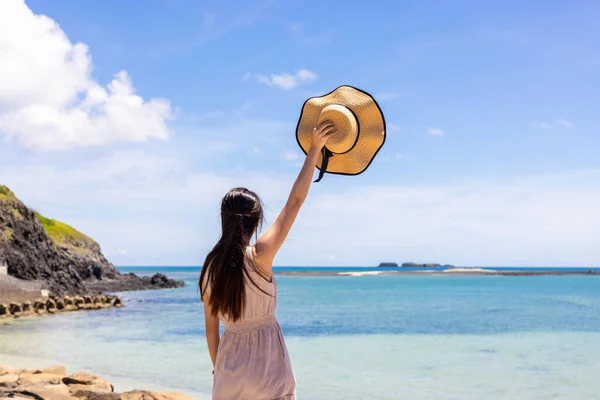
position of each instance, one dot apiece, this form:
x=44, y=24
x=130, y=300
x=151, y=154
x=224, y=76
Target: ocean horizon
x=360, y=337
x=341, y=268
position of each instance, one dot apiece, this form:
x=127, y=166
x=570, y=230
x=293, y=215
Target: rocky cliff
x=38, y=248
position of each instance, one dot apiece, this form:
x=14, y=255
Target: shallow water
x=369, y=337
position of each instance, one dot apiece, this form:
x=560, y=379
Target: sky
x=130, y=120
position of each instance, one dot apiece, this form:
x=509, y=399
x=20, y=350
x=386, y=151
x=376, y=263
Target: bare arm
x=270, y=242
x=211, y=324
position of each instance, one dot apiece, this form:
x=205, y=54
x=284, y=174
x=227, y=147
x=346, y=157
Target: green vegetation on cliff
x=61, y=233
x=5, y=193
x=36, y=248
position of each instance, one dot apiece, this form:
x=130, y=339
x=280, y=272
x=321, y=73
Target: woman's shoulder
x=262, y=270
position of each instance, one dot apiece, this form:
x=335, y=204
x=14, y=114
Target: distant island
x=388, y=264
x=426, y=265
x=414, y=265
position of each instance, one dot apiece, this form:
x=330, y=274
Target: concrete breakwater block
x=55, y=305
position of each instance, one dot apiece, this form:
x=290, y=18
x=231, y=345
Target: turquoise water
x=354, y=337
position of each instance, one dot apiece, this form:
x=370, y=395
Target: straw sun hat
x=360, y=130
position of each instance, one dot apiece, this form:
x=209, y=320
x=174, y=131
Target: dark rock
x=91, y=395
x=118, y=302
x=388, y=264
x=131, y=282
x=415, y=265
x=94, y=382
x=50, y=305
x=27, y=307
x=39, y=307
x=71, y=265
x=15, y=308
x=4, y=309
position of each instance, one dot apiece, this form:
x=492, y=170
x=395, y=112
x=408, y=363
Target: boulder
x=51, y=306
x=92, y=382
x=68, y=301
x=39, y=393
x=87, y=299
x=33, y=378
x=27, y=307
x=70, y=307
x=91, y=395
x=118, y=302
x=15, y=308
x=60, y=305
x=79, y=303
x=40, y=307
x=89, y=388
x=55, y=369
x=8, y=378
x=4, y=309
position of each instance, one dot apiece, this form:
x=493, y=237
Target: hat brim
x=371, y=129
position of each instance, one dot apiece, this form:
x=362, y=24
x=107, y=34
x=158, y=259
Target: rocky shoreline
x=56, y=305
x=34, y=248
x=53, y=383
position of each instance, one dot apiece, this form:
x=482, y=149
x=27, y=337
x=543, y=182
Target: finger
x=323, y=125
x=329, y=131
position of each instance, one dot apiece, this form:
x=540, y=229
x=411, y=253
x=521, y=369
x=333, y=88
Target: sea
x=349, y=337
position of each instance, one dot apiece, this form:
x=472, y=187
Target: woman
x=238, y=288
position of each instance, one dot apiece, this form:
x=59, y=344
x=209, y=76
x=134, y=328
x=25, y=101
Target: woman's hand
x=321, y=133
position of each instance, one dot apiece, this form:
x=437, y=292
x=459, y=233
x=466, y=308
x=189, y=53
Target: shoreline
x=13, y=308
x=445, y=272
x=103, y=386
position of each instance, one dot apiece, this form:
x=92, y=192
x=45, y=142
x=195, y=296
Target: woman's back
x=252, y=359
x=261, y=294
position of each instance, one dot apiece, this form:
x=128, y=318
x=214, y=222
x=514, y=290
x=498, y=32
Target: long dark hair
x=224, y=270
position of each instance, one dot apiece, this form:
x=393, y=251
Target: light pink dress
x=252, y=359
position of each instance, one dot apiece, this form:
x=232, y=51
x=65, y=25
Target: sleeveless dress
x=252, y=359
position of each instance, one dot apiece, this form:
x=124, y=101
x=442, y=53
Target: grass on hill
x=5, y=193
x=62, y=233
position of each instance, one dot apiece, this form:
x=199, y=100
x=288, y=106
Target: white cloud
x=123, y=199
x=436, y=132
x=287, y=81
x=559, y=123
x=291, y=155
x=246, y=76
x=536, y=220
x=49, y=100
x=541, y=125
x=563, y=123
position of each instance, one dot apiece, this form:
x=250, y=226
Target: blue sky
x=490, y=158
